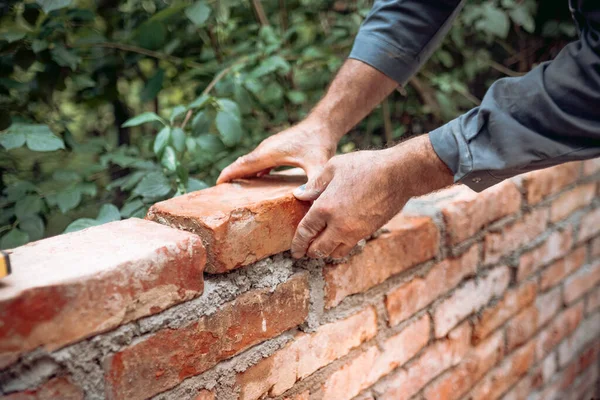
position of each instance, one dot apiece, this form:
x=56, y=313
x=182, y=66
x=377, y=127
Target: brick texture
x=205, y=395
x=239, y=222
x=590, y=225
x=521, y=327
x=411, y=297
x=582, y=281
x=557, y=245
x=469, y=298
x=586, y=332
x=69, y=287
x=556, y=272
x=562, y=326
x=409, y=242
x=167, y=357
x=56, y=388
x=595, y=248
x=572, y=200
x=542, y=183
x=469, y=212
x=593, y=301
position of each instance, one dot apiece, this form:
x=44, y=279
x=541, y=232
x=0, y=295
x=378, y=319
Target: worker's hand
x=308, y=145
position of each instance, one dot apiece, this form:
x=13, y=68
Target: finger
x=315, y=186
x=341, y=251
x=311, y=225
x=324, y=244
x=247, y=165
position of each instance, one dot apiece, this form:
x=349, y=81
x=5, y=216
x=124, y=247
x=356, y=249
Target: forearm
x=355, y=91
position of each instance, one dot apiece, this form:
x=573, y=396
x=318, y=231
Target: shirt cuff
x=372, y=50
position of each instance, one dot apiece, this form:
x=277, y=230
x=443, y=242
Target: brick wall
x=488, y=296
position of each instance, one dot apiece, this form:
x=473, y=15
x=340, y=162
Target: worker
x=547, y=117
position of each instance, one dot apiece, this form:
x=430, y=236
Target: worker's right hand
x=308, y=145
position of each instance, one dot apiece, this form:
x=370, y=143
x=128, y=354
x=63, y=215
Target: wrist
x=322, y=128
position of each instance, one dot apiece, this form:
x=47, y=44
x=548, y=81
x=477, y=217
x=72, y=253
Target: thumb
x=317, y=183
x=248, y=165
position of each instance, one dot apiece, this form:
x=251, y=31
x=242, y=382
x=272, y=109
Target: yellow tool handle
x=4, y=264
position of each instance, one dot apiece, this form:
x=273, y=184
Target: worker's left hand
x=354, y=195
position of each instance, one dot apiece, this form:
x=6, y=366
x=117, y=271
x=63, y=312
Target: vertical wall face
x=493, y=295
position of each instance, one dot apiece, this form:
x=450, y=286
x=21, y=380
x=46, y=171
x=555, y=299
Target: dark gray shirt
x=549, y=116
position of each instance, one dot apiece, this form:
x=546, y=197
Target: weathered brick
x=590, y=167
x=580, y=364
x=469, y=298
x=572, y=200
x=521, y=327
x=205, y=395
x=515, y=235
x=521, y=390
x=587, y=331
x=411, y=297
x=581, y=281
x=436, y=358
x=548, y=304
x=160, y=361
x=239, y=222
x=595, y=248
x=590, y=225
x=545, y=370
x=593, y=301
x=410, y=241
x=467, y=213
x=513, y=301
x=505, y=375
x=56, y=388
x=457, y=381
x=306, y=354
x=557, y=245
x=542, y=183
x=366, y=369
x=301, y=396
x=557, y=271
x=69, y=287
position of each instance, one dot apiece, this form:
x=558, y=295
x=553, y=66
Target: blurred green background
x=108, y=106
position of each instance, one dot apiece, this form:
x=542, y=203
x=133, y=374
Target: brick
x=590, y=225
x=469, y=298
x=306, y=354
x=580, y=364
x=436, y=358
x=557, y=245
x=544, y=371
x=410, y=241
x=542, y=183
x=581, y=281
x=572, y=200
x=469, y=212
x=56, y=388
x=557, y=271
x=205, y=395
x=411, y=297
x=367, y=368
x=240, y=222
x=592, y=166
x=548, y=305
x=587, y=331
x=159, y=361
x=69, y=287
x=593, y=301
x=520, y=391
x=457, y=381
x=515, y=235
x=493, y=317
x=301, y=396
x=595, y=248
x=505, y=375
x=521, y=327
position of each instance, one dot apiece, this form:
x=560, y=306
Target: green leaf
x=198, y=13
x=176, y=112
x=522, y=17
x=230, y=107
x=153, y=86
x=17, y=190
x=195, y=184
x=211, y=143
x=201, y=122
x=169, y=159
x=51, y=5
x=161, y=140
x=14, y=238
x=494, y=21
x=64, y=57
x=38, y=137
x=242, y=98
x=81, y=223
x=151, y=35
x=296, y=96
x=87, y=188
x=229, y=127
x=28, y=206
x=66, y=176
x=200, y=101
x=142, y=119
x=127, y=182
x=12, y=140
x=12, y=35
x=108, y=213
x=33, y=226
x=131, y=207
x=68, y=199
x=153, y=185
x=178, y=139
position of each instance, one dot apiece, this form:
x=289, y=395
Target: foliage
x=109, y=103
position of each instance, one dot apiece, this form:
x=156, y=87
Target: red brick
x=205, y=395
x=595, y=247
x=160, y=361
x=544, y=371
x=301, y=396
x=469, y=298
x=580, y=364
x=521, y=390
x=411, y=297
x=504, y=376
x=239, y=222
x=69, y=287
x=515, y=235
x=521, y=327
x=493, y=317
x=542, y=183
x=306, y=354
x=582, y=281
x=590, y=167
x=548, y=305
x=56, y=388
x=590, y=225
x=572, y=200
x=456, y=382
x=557, y=271
x=366, y=369
x=557, y=245
x=469, y=212
x=587, y=332
x=593, y=301
x=410, y=241
x=436, y=358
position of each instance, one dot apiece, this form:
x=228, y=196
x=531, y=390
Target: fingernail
x=300, y=189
